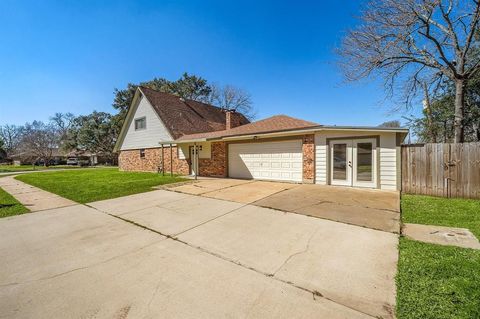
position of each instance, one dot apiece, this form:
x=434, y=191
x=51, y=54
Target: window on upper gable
x=141, y=123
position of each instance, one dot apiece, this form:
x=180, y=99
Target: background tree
x=437, y=121
x=39, y=141
x=394, y=123
x=3, y=153
x=229, y=97
x=413, y=41
x=188, y=86
x=96, y=133
x=62, y=123
x=11, y=136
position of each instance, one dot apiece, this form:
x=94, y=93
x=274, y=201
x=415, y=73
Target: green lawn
x=9, y=206
x=435, y=281
x=89, y=185
x=455, y=212
x=23, y=168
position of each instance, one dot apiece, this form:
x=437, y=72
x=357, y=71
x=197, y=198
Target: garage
x=281, y=161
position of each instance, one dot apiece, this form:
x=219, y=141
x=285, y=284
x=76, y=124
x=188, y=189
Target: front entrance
x=353, y=162
x=193, y=167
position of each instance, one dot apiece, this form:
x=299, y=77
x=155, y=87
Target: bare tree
x=409, y=41
x=230, y=97
x=62, y=122
x=11, y=136
x=39, y=141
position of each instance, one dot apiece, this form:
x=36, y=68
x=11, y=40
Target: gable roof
x=277, y=123
x=183, y=116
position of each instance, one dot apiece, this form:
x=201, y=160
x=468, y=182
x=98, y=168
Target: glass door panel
x=341, y=162
x=364, y=162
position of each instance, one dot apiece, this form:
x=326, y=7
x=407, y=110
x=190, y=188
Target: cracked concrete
x=303, y=251
x=79, y=262
x=370, y=208
x=269, y=241
x=269, y=263
x=376, y=209
x=348, y=264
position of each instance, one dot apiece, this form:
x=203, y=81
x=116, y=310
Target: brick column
x=308, y=149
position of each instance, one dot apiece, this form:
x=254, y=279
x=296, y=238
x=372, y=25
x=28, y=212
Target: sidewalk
x=32, y=197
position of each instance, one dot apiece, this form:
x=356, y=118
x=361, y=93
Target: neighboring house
x=28, y=157
x=92, y=158
x=165, y=133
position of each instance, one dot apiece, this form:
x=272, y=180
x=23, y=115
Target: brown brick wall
x=308, y=149
x=217, y=164
x=130, y=160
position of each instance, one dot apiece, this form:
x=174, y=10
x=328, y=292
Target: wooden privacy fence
x=441, y=169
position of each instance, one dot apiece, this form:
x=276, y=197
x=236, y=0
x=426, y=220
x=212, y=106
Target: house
x=90, y=157
x=27, y=157
x=163, y=132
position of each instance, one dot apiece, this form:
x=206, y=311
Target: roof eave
x=312, y=129
x=367, y=128
x=182, y=141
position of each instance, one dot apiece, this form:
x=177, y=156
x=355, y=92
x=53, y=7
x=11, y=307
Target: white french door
x=353, y=162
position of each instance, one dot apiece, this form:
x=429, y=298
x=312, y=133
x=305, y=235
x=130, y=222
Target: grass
x=435, y=281
x=9, y=206
x=24, y=168
x=89, y=185
x=454, y=212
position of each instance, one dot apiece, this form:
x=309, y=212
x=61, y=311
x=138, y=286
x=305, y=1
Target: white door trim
x=348, y=163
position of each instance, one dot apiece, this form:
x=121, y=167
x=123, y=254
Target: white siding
x=388, y=171
x=149, y=137
x=205, y=152
x=388, y=161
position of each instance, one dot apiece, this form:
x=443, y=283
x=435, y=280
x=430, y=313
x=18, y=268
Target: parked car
x=72, y=161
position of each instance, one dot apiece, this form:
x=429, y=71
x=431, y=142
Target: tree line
x=97, y=132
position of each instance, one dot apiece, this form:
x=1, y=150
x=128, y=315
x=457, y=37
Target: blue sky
x=68, y=56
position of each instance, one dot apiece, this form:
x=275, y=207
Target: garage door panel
x=269, y=160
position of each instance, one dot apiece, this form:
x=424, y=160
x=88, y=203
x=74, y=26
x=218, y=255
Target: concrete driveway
x=350, y=265
x=170, y=254
x=376, y=209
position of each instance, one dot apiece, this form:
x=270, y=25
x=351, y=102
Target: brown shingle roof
x=272, y=124
x=186, y=116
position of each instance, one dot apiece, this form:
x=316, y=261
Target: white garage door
x=270, y=160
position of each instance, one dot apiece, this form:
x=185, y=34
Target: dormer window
x=140, y=123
